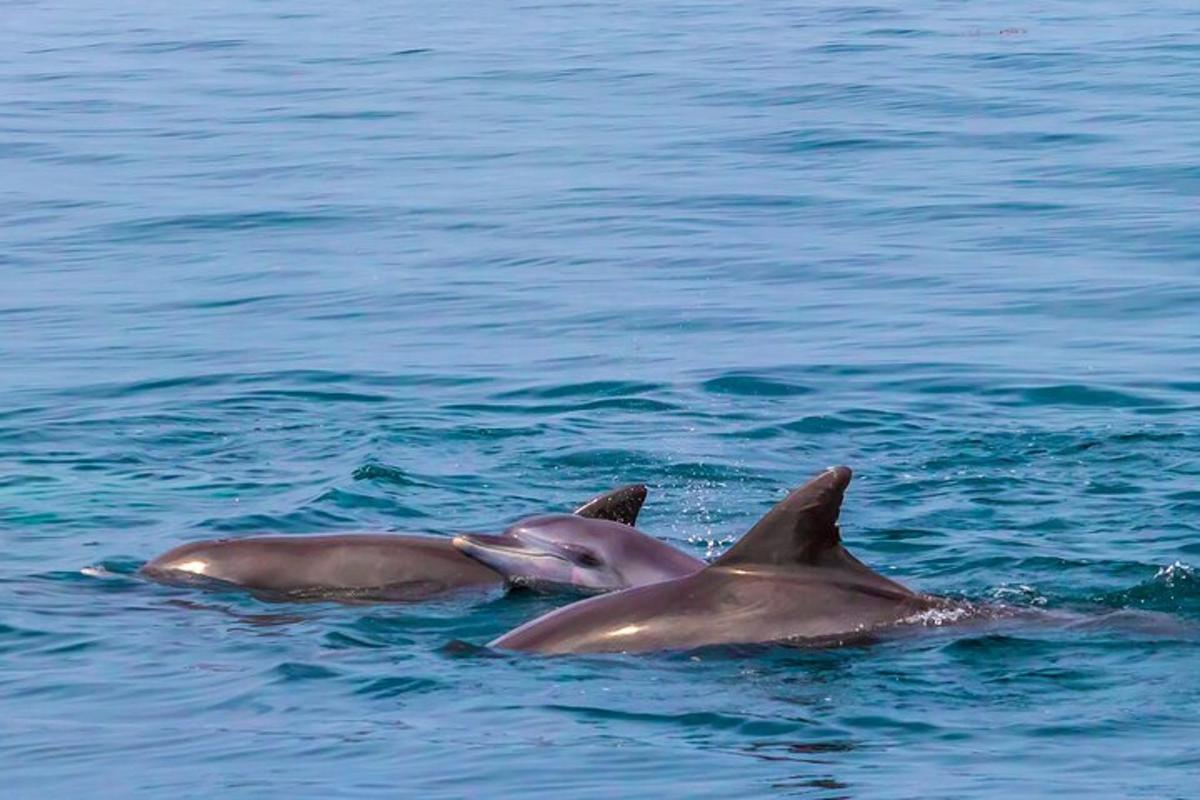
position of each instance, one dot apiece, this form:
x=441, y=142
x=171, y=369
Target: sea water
x=290, y=267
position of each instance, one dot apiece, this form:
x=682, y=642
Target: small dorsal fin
x=799, y=530
x=620, y=505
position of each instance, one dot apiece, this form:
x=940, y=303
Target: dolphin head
x=558, y=552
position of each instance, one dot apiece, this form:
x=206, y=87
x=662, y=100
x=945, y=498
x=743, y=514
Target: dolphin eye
x=586, y=559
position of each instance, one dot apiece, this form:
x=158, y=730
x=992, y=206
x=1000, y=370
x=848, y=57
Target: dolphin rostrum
x=789, y=579
x=360, y=567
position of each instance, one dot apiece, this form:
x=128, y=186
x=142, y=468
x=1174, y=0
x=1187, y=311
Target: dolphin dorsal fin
x=799, y=530
x=620, y=505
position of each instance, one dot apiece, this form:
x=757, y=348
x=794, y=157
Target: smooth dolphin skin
x=357, y=567
x=559, y=552
x=350, y=567
x=787, y=580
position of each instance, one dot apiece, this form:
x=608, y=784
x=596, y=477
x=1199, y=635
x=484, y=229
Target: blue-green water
x=293, y=267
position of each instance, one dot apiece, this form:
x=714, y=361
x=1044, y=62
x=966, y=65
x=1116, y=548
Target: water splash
x=1177, y=574
x=937, y=617
x=1018, y=594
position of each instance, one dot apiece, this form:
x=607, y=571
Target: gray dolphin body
x=559, y=552
x=787, y=579
x=363, y=566
x=359, y=567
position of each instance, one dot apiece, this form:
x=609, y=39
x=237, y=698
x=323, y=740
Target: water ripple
x=369, y=268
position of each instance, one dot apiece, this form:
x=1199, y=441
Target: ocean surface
x=289, y=267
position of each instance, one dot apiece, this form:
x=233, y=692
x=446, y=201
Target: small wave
x=162, y=227
x=1074, y=394
x=397, y=685
x=589, y=389
x=346, y=499
x=195, y=45
x=687, y=720
x=749, y=385
x=384, y=473
x=641, y=404
x=1019, y=594
x=1173, y=589
x=295, y=671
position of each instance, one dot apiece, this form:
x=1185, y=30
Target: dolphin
x=560, y=553
x=788, y=579
x=361, y=567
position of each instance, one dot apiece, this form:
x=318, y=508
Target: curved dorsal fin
x=620, y=505
x=799, y=529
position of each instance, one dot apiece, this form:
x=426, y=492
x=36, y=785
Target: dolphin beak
x=473, y=543
x=482, y=545
x=530, y=562
x=503, y=552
